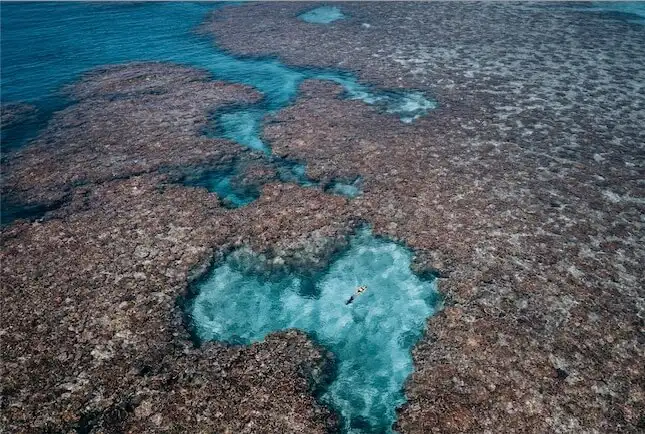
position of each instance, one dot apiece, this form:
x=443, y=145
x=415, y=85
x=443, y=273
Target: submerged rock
x=14, y=113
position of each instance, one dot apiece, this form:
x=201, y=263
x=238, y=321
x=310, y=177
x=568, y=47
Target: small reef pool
x=371, y=338
x=322, y=15
x=222, y=182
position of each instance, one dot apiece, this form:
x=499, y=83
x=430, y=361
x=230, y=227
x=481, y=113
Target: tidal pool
x=221, y=181
x=322, y=15
x=371, y=338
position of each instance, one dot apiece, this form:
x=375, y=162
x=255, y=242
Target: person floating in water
x=361, y=289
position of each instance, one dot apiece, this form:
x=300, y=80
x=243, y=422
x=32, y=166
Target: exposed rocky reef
x=524, y=188
x=128, y=120
x=92, y=333
x=543, y=272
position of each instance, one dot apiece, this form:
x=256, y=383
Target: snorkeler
x=359, y=291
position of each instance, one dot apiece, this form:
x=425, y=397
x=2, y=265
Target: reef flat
x=93, y=338
x=127, y=120
x=93, y=335
x=519, y=185
x=524, y=186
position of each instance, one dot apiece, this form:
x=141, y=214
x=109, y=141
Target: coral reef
x=524, y=188
x=93, y=335
x=14, y=113
x=543, y=271
x=128, y=120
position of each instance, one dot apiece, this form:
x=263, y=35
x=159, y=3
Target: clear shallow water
x=322, y=15
x=221, y=181
x=243, y=126
x=371, y=338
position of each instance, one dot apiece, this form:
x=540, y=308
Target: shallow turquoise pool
x=371, y=338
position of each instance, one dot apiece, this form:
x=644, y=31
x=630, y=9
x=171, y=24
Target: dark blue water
x=47, y=45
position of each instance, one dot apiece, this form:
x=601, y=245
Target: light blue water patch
x=220, y=182
x=289, y=171
x=347, y=189
x=408, y=105
x=633, y=12
x=229, y=195
x=636, y=9
x=243, y=126
x=371, y=337
x=322, y=15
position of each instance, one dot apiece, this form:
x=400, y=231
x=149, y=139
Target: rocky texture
x=15, y=113
x=128, y=120
x=295, y=227
x=524, y=187
x=93, y=336
x=545, y=287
